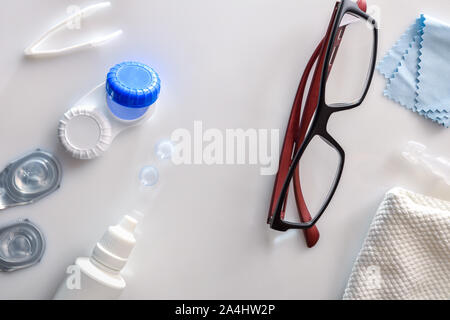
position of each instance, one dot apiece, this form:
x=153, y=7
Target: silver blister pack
x=22, y=245
x=29, y=179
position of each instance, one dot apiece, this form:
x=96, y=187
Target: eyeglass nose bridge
x=320, y=122
x=321, y=128
x=323, y=115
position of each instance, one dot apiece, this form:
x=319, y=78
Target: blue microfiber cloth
x=417, y=70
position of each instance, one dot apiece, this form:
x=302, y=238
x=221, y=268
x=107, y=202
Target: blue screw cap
x=133, y=84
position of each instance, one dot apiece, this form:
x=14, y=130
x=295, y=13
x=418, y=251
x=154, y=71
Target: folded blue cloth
x=417, y=70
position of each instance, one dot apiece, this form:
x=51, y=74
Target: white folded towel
x=406, y=255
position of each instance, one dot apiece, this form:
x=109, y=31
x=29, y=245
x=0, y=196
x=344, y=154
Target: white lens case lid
x=88, y=129
x=84, y=132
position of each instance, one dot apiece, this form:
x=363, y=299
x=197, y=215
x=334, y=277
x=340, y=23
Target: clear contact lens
x=19, y=246
x=32, y=176
x=164, y=150
x=149, y=176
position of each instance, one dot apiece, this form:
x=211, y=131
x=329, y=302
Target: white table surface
x=231, y=64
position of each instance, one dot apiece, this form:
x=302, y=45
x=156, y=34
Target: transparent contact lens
x=32, y=176
x=22, y=245
x=19, y=246
x=164, y=150
x=28, y=179
x=149, y=176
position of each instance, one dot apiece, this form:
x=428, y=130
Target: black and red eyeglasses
x=344, y=63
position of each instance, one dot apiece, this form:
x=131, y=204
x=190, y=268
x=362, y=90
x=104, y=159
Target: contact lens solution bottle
x=98, y=277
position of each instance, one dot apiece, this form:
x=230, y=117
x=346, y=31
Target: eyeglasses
x=311, y=158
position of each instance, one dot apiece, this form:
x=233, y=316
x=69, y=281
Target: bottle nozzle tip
x=128, y=223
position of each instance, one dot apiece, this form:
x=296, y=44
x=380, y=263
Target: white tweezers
x=31, y=50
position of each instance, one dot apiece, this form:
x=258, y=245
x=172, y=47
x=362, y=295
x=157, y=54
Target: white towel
x=406, y=255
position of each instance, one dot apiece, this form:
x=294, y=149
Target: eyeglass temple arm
x=293, y=134
x=311, y=105
x=312, y=235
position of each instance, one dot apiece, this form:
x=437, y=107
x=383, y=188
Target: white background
x=231, y=64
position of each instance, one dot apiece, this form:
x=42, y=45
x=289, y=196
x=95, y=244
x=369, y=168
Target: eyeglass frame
x=322, y=115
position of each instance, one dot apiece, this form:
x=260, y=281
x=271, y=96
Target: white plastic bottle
x=98, y=277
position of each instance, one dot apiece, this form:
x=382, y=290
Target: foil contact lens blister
x=22, y=245
x=29, y=179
